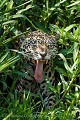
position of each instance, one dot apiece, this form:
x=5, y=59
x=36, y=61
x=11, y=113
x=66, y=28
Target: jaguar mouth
x=38, y=75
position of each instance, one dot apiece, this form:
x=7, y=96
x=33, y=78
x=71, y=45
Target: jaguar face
x=40, y=47
x=42, y=52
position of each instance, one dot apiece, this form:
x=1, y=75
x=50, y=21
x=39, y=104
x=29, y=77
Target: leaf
x=65, y=63
x=60, y=70
x=23, y=10
x=23, y=16
x=59, y=87
x=40, y=26
x=2, y=3
x=18, y=16
x=77, y=16
x=75, y=64
x=60, y=3
x=8, y=22
x=25, y=75
x=70, y=50
x=6, y=32
x=47, y=3
x=8, y=116
x=3, y=57
x=65, y=84
x=4, y=85
x=70, y=27
x=54, y=28
x=75, y=51
x=9, y=5
x=10, y=10
x=75, y=3
x=12, y=38
x=9, y=62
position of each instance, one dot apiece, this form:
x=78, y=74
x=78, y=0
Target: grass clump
x=48, y=16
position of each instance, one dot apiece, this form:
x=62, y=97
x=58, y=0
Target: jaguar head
x=39, y=47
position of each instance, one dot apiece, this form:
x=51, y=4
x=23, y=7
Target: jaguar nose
x=43, y=54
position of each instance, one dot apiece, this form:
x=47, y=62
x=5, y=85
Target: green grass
x=49, y=16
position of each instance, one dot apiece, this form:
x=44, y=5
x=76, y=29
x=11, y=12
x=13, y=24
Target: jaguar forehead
x=39, y=40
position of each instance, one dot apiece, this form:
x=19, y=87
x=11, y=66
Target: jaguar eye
x=50, y=46
x=34, y=46
x=32, y=42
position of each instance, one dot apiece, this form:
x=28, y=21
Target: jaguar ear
x=23, y=37
x=57, y=36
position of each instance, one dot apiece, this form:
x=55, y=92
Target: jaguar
x=39, y=50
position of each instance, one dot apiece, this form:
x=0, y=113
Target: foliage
x=50, y=16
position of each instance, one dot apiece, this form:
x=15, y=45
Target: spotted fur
x=28, y=47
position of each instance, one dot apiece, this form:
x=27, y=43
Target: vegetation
x=61, y=16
